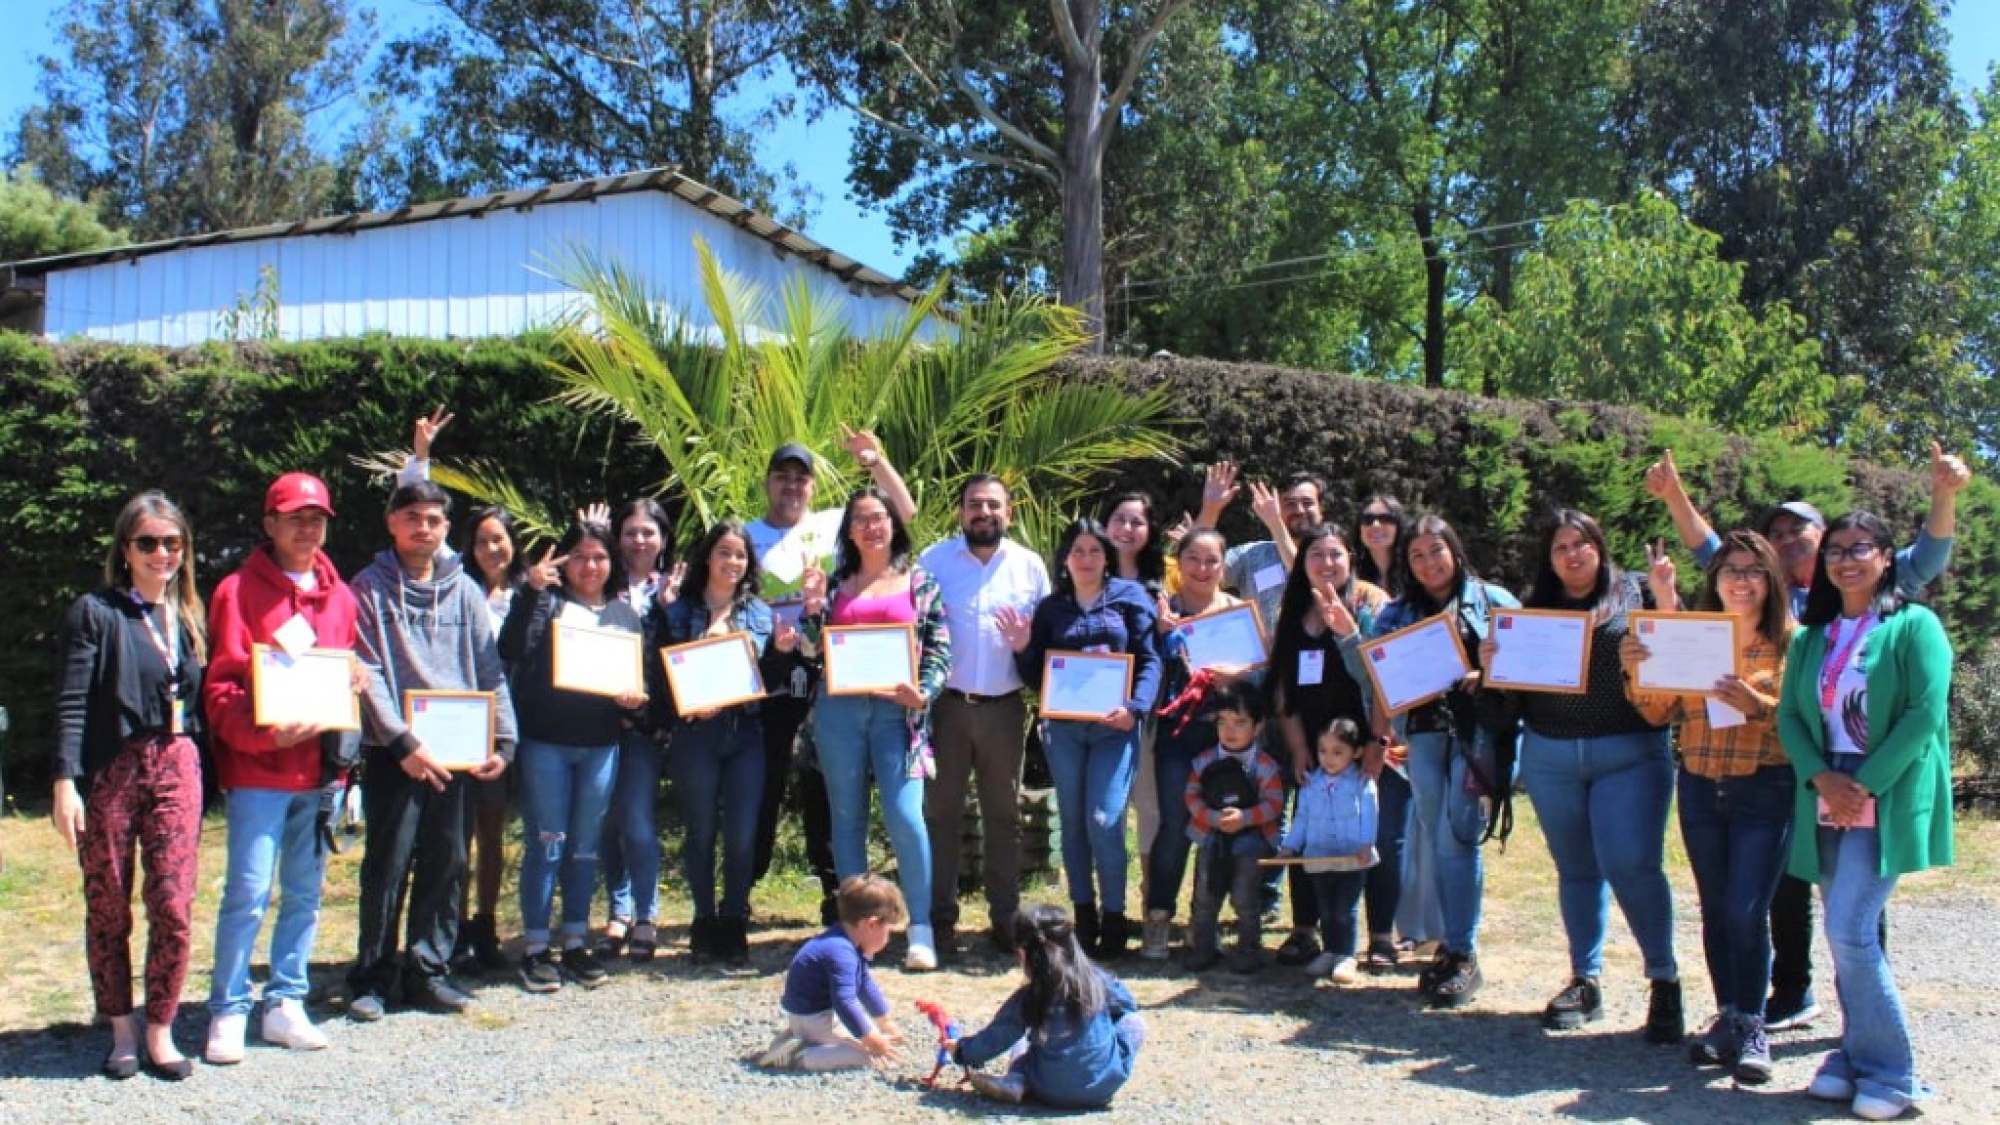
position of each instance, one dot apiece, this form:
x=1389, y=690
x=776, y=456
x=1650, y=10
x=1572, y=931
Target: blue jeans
x=1167, y=860
x=1338, y=894
x=1875, y=1052
x=565, y=792
x=1453, y=824
x=718, y=770
x=630, y=854
x=1092, y=765
x=270, y=830
x=1603, y=806
x=1738, y=833
x=857, y=735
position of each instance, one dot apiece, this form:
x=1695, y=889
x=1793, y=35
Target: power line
x=1129, y=299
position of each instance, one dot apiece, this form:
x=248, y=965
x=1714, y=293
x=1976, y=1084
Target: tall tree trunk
x=1434, y=294
x=1082, y=283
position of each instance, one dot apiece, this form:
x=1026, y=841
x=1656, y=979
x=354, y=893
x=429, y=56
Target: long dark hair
x=517, y=567
x=641, y=508
x=1152, y=558
x=1774, y=621
x=1296, y=602
x=695, y=582
x=580, y=530
x=1547, y=592
x=1364, y=563
x=1823, y=602
x=1059, y=566
x=1059, y=974
x=848, y=560
x=1420, y=601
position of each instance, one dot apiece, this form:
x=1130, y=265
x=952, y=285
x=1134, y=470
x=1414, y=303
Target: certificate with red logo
x=865, y=659
x=1414, y=665
x=712, y=673
x=1539, y=650
x=1085, y=685
x=1686, y=653
x=454, y=727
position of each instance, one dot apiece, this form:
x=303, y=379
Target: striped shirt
x=1732, y=751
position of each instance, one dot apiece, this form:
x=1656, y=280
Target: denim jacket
x=687, y=619
x=1070, y=1062
x=1336, y=816
x=1476, y=600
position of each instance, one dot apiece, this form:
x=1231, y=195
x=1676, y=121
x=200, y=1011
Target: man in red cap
x=288, y=597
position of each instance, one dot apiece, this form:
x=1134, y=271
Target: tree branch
x=1066, y=36
x=1141, y=47
x=1036, y=149
x=977, y=156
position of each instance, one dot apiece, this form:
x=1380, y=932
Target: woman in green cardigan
x=1862, y=717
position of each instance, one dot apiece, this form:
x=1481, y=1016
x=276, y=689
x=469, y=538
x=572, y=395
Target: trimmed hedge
x=82, y=426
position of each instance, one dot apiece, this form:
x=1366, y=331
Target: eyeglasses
x=147, y=544
x=1740, y=574
x=1368, y=518
x=1859, y=552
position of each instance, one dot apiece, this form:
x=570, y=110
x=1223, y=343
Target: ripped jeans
x=565, y=793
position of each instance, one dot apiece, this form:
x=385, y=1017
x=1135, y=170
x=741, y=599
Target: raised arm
x=1663, y=482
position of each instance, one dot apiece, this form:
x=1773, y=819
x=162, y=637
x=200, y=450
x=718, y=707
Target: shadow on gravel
x=75, y=1051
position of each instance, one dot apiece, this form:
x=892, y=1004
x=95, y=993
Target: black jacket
x=113, y=683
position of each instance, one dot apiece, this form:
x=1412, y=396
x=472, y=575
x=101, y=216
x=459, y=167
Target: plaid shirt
x=1733, y=751
x=1262, y=816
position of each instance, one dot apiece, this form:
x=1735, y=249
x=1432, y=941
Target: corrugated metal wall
x=466, y=276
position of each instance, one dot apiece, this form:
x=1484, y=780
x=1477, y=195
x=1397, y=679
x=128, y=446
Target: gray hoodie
x=432, y=634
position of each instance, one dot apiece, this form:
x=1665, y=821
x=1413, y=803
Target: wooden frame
x=1256, y=621
x=1499, y=613
x=1642, y=617
x=578, y=679
x=830, y=647
x=266, y=711
x=1449, y=621
x=669, y=664
x=413, y=696
x=1049, y=662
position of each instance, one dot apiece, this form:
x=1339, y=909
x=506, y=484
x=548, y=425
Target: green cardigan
x=1908, y=767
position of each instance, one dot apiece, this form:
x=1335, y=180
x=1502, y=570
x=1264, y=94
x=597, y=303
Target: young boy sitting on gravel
x=829, y=981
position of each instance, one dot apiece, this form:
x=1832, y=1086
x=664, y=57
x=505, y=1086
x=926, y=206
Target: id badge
x=175, y=716
x=1312, y=667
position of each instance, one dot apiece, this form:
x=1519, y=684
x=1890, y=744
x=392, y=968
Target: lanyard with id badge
x=168, y=646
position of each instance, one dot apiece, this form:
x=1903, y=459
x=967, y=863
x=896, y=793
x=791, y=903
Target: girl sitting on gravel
x=828, y=988
x=1072, y=1032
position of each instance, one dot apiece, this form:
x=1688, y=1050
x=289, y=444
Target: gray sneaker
x=1753, y=1051
x=1716, y=1045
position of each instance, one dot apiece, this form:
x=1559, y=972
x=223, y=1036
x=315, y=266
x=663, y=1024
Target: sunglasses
x=148, y=544
x=1368, y=518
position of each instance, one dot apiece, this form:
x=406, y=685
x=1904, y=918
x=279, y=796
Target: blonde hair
x=186, y=599
x=862, y=897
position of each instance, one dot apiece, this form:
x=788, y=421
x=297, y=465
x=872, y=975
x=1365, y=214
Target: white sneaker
x=1868, y=1107
x=783, y=1053
x=1155, y=936
x=1346, y=972
x=922, y=954
x=287, y=1025
x=1830, y=1088
x=225, y=1040
x=1322, y=964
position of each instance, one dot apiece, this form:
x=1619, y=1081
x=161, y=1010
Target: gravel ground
x=669, y=1043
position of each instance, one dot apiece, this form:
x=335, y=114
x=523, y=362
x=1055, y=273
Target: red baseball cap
x=293, y=491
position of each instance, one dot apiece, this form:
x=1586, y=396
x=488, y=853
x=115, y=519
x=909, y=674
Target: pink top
x=886, y=609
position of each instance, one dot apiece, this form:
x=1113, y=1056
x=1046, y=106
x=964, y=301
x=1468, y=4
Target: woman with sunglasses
x=128, y=773
x=1735, y=790
x=1379, y=530
x=1862, y=715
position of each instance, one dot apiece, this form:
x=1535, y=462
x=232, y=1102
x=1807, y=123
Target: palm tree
x=976, y=392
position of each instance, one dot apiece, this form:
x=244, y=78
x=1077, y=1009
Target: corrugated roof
x=667, y=179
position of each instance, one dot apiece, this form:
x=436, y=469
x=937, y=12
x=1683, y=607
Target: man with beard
x=1257, y=570
x=1794, y=529
x=978, y=724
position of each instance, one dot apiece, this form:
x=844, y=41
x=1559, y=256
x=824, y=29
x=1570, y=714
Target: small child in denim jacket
x=1073, y=1032
x=836, y=1017
x=1335, y=823
x=1235, y=798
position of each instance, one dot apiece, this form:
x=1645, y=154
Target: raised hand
x=670, y=584
x=1014, y=627
x=1334, y=612
x=1948, y=472
x=1265, y=505
x=1663, y=480
x=862, y=445
x=812, y=587
x=785, y=639
x=1660, y=575
x=426, y=432
x=546, y=571
x=1178, y=530
x=597, y=512
x=1165, y=615
x=1218, y=485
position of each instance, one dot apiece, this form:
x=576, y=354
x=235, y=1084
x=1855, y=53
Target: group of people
x=1827, y=759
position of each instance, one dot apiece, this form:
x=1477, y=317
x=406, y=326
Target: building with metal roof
x=477, y=266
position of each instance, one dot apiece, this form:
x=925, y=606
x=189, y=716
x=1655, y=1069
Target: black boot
x=484, y=943
x=701, y=939
x=1112, y=937
x=1086, y=926
x=733, y=941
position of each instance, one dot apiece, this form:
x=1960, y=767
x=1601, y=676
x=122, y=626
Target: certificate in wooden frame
x=1450, y=623
x=1640, y=617
x=1051, y=660
x=1583, y=667
x=1256, y=620
x=269, y=712
x=831, y=648
x=413, y=697
x=565, y=678
x=672, y=658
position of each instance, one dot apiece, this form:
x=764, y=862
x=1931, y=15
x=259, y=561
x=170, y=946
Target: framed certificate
x=596, y=661
x=314, y=687
x=713, y=673
x=1085, y=685
x=864, y=659
x=1540, y=650
x=1688, y=651
x=1415, y=665
x=454, y=727
x=1225, y=637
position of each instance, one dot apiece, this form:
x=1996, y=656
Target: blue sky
x=817, y=150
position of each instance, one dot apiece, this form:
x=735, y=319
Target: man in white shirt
x=979, y=723
x=789, y=539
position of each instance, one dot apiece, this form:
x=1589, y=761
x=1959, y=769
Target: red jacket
x=249, y=607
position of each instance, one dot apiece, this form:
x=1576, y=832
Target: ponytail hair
x=1060, y=976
